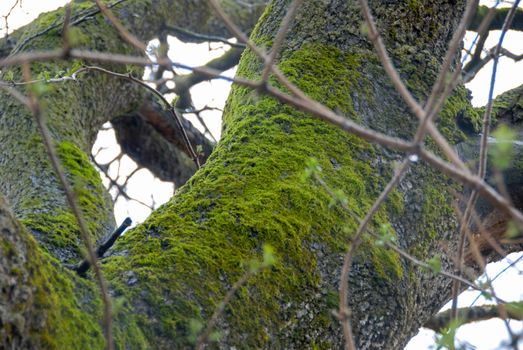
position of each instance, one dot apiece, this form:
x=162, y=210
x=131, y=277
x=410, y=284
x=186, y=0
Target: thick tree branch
x=507, y=109
x=148, y=148
x=183, y=83
x=475, y=314
x=498, y=19
x=156, y=116
x=188, y=36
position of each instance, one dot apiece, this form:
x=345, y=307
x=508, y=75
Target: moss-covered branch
x=476, y=313
x=497, y=21
x=170, y=273
x=44, y=306
x=151, y=150
x=51, y=307
x=180, y=262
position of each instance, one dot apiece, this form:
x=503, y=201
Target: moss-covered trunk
x=173, y=270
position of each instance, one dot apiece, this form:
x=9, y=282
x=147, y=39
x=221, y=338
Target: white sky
x=482, y=335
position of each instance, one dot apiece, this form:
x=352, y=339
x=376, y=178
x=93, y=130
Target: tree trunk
x=173, y=270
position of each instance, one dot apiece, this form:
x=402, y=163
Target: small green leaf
x=45, y=75
x=59, y=74
x=512, y=230
x=41, y=88
x=312, y=167
x=386, y=235
x=448, y=336
x=338, y=197
x=215, y=336
x=269, y=259
x=76, y=66
x=195, y=327
x=254, y=265
x=364, y=28
x=503, y=149
x=118, y=305
x=10, y=76
x=435, y=264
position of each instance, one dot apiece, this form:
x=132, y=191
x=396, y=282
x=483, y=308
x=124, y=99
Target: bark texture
x=177, y=265
x=169, y=274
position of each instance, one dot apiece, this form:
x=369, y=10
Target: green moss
x=86, y=183
x=506, y=107
x=71, y=307
x=387, y=263
x=61, y=310
x=59, y=228
x=457, y=107
x=251, y=192
x=414, y=5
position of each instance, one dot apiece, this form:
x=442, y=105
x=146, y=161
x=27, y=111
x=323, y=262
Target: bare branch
x=189, y=36
x=82, y=268
x=474, y=314
x=183, y=83
x=171, y=110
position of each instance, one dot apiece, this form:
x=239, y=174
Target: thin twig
x=82, y=268
x=355, y=243
x=170, y=108
x=203, y=338
x=9, y=14
x=66, y=47
x=126, y=35
x=182, y=32
x=483, y=151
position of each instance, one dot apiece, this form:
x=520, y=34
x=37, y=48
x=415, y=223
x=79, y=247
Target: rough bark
x=151, y=137
x=250, y=193
x=498, y=19
x=175, y=268
x=58, y=309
